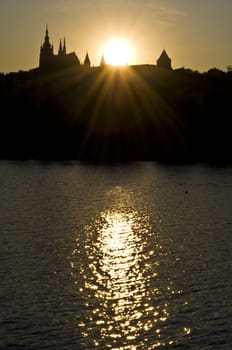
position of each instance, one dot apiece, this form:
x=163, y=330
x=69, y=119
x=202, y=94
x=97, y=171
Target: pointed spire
x=164, y=61
x=64, y=47
x=46, y=34
x=164, y=54
x=103, y=62
x=60, y=48
x=46, y=46
x=87, y=60
x=46, y=50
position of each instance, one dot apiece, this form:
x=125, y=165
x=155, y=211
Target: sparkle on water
x=115, y=257
x=123, y=302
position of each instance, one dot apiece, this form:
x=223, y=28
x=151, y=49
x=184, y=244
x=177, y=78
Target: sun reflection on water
x=121, y=284
x=125, y=301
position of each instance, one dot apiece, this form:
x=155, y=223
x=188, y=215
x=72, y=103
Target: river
x=116, y=256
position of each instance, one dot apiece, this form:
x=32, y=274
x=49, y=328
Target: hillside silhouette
x=116, y=114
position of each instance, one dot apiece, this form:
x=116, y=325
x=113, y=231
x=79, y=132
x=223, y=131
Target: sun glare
x=118, y=52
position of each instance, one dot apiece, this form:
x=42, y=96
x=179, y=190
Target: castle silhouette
x=50, y=61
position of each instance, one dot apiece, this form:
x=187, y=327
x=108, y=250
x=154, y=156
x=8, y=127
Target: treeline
x=106, y=113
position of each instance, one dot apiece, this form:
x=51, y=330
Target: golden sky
x=196, y=34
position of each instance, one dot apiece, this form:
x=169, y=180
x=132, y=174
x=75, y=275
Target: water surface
x=132, y=256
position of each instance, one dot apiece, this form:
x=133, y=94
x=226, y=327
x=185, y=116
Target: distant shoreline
x=117, y=114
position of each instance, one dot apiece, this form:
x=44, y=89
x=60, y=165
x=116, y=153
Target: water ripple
x=127, y=302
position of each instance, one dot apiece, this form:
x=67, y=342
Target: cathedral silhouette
x=50, y=61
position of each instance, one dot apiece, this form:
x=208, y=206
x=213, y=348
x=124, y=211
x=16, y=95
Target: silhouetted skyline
x=49, y=60
x=140, y=112
x=195, y=34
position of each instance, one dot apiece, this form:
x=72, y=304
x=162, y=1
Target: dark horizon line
x=108, y=65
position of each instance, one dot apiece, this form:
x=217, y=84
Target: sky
x=196, y=34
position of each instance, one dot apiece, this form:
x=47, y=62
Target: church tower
x=62, y=48
x=46, y=51
x=102, y=62
x=164, y=61
x=60, y=52
x=49, y=61
x=87, y=60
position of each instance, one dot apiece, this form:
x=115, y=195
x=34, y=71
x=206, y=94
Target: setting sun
x=118, y=52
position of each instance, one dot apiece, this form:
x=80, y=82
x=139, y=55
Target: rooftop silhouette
x=164, y=61
x=51, y=61
x=48, y=60
x=67, y=110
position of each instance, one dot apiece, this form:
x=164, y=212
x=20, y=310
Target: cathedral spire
x=60, y=49
x=164, y=61
x=87, y=60
x=46, y=50
x=50, y=61
x=46, y=45
x=103, y=62
x=46, y=39
x=64, y=47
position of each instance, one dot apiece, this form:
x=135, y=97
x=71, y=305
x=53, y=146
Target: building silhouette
x=50, y=61
x=102, y=62
x=164, y=61
x=87, y=60
x=62, y=49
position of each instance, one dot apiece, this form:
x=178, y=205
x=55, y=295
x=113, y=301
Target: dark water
x=134, y=256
